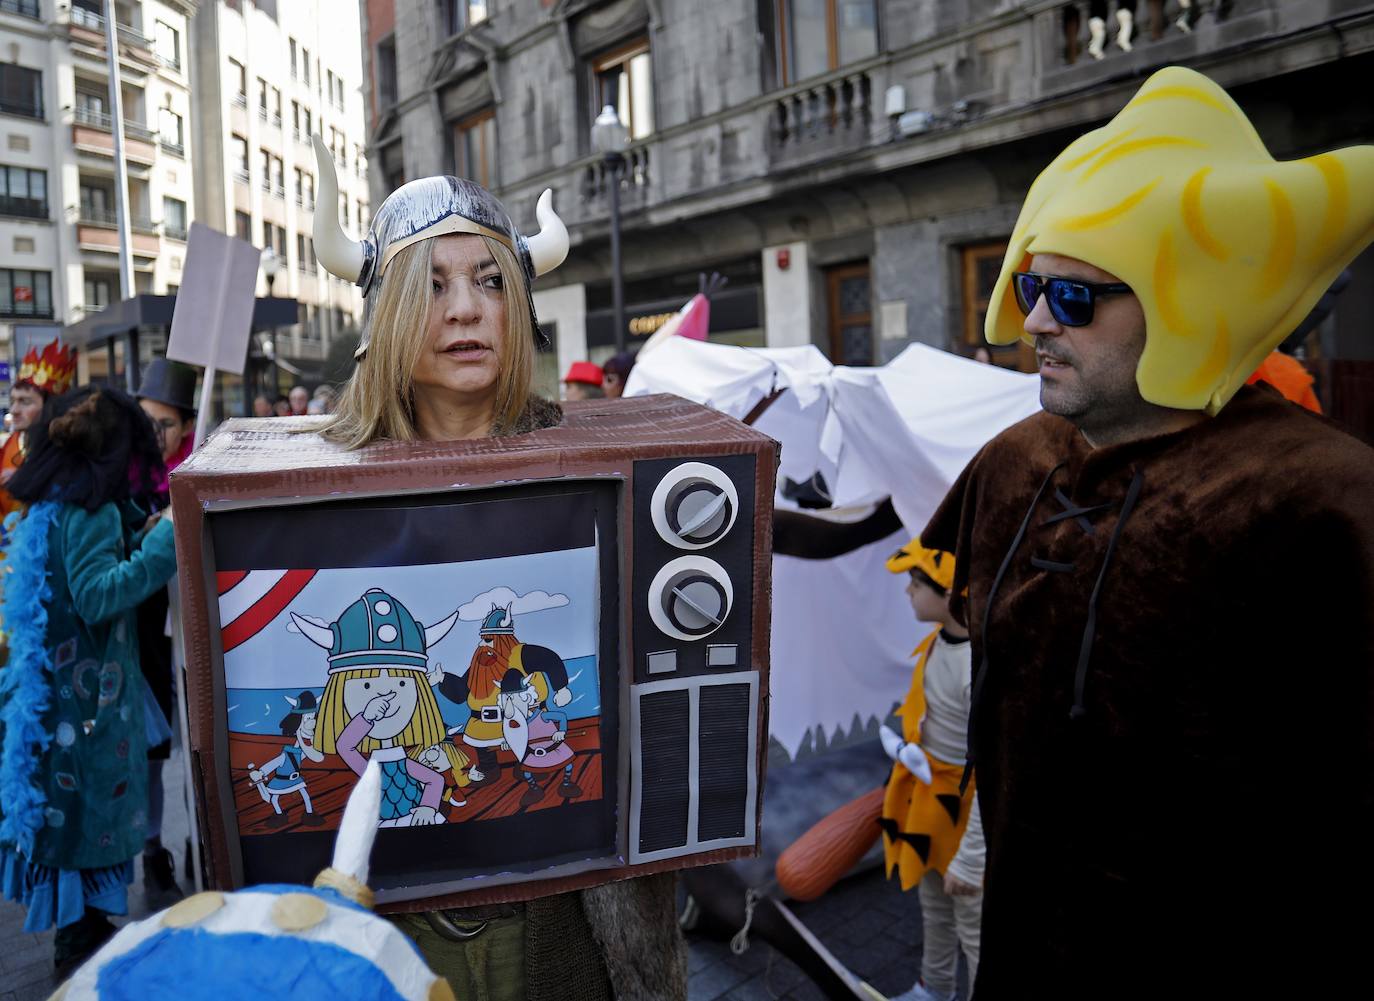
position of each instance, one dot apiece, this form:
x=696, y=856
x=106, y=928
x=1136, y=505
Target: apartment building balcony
x=597, y=175
x=97, y=230
x=824, y=117
x=92, y=132
x=87, y=29
x=23, y=208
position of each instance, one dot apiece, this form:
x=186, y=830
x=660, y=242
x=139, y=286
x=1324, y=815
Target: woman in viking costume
x=449, y=335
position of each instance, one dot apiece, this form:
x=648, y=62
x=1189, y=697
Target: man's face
x=574, y=391
x=1087, y=374
x=26, y=406
x=262, y=406
x=300, y=399
x=167, y=422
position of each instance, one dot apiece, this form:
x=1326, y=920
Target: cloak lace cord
x=739, y=944
x=982, y=677
x=1085, y=650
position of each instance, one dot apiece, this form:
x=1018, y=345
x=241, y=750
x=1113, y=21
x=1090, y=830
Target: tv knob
x=694, y=505
x=690, y=598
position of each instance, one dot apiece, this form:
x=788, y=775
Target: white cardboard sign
x=214, y=310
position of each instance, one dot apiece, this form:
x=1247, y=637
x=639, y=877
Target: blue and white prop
x=271, y=941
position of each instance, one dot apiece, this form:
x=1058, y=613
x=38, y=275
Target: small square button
x=721, y=655
x=663, y=662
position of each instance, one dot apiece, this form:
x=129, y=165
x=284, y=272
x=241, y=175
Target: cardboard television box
x=555, y=644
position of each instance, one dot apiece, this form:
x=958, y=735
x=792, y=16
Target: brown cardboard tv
x=555, y=646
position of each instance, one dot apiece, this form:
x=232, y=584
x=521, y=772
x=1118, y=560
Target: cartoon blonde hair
x=378, y=401
x=426, y=726
x=457, y=760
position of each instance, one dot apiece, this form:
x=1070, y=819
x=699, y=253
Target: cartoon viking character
x=282, y=774
x=498, y=651
x=448, y=760
x=378, y=700
x=536, y=736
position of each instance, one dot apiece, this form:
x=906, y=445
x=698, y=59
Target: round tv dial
x=694, y=506
x=690, y=598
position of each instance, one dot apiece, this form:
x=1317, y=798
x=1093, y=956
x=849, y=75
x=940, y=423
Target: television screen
x=467, y=641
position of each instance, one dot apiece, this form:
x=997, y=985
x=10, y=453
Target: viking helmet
x=499, y=622
x=376, y=631
x=250, y=943
x=421, y=209
x=1226, y=248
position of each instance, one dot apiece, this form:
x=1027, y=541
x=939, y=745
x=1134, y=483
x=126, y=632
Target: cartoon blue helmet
x=499, y=622
x=376, y=631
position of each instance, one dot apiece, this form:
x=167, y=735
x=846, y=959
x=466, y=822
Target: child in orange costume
x=933, y=835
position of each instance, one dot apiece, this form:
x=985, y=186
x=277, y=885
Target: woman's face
x=467, y=322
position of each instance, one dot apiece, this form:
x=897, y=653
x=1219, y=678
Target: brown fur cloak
x=1174, y=664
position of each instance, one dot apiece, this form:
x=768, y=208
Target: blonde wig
x=426, y=726
x=378, y=402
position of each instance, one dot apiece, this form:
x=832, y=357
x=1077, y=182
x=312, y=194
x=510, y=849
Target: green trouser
x=542, y=950
x=488, y=967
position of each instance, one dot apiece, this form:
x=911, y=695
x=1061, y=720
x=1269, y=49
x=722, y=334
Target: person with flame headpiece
x=447, y=352
x=41, y=376
x=1171, y=730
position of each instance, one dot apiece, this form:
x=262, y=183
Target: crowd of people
x=297, y=403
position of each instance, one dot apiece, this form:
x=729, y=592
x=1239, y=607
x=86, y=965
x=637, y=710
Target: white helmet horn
x=340, y=255
x=321, y=636
x=548, y=247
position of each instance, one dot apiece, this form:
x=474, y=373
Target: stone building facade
x=853, y=167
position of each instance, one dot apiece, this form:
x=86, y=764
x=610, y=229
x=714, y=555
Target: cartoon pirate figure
x=449, y=761
x=282, y=774
x=378, y=701
x=498, y=651
x=536, y=736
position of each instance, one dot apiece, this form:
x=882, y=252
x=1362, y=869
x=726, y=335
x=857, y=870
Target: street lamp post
x=271, y=267
x=610, y=138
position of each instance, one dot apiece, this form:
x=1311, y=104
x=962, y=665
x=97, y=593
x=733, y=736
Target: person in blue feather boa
x=73, y=749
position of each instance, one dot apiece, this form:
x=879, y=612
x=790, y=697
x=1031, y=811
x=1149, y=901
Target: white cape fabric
x=843, y=630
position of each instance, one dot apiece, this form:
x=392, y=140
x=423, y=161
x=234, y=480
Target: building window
x=386, y=72
x=305, y=65
x=457, y=15
x=167, y=44
x=274, y=239
x=339, y=86
x=262, y=98
x=243, y=226
x=25, y=293
x=97, y=204
x=170, y=129
x=821, y=35
x=238, y=76
x=359, y=161
x=362, y=217
x=23, y=192
x=305, y=254
x=90, y=109
x=393, y=166
x=238, y=151
x=25, y=8
x=21, y=91
x=174, y=218
x=624, y=81
x=474, y=148
x=849, y=293
x=99, y=289
x=293, y=58
x=276, y=107
x=981, y=263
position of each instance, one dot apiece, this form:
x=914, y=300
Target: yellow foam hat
x=1226, y=248
x=936, y=564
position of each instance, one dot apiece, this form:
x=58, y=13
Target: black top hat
x=512, y=682
x=169, y=382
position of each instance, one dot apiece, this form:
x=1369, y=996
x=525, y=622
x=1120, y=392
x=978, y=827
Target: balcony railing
x=1087, y=37
x=241, y=99
x=25, y=109
x=306, y=203
x=137, y=130
x=89, y=116
x=24, y=8
x=242, y=176
x=174, y=148
x=95, y=22
x=173, y=231
x=171, y=62
x=91, y=216
x=24, y=208
x=634, y=174
x=26, y=310
x=832, y=114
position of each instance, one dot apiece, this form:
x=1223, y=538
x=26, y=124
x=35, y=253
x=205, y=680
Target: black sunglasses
x=1071, y=301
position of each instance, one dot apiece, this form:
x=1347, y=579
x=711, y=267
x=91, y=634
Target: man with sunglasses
x=1170, y=578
